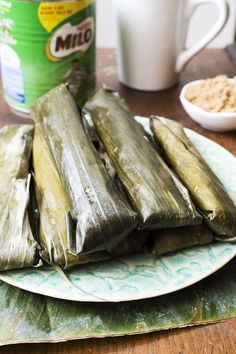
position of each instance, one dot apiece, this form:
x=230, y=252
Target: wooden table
x=215, y=339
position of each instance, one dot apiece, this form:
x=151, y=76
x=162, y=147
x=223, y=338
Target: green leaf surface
x=205, y=188
x=102, y=217
x=154, y=191
x=17, y=244
x=31, y=318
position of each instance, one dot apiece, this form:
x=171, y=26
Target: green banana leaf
x=17, y=244
x=159, y=198
x=205, y=188
x=31, y=318
x=53, y=206
x=102, y=217
x=169, y=240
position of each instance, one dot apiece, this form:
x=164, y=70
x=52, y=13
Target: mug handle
x=223, y=9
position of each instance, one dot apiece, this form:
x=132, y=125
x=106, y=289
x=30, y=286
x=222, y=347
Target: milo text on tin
x=69, y=39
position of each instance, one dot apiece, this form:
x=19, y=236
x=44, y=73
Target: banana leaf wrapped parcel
x=158, y=197
x=164, y=241
x=18, y=246
x=98, y=216
x=206, y=190
x=53, y=206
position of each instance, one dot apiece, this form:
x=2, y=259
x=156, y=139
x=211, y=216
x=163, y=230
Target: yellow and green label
x=44, y=44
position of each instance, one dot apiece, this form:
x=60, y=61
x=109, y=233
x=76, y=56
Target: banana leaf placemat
x=31, y=318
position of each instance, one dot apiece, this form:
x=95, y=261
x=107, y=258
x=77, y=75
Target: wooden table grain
x=217, y=338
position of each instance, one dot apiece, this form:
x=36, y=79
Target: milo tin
x=44, y=44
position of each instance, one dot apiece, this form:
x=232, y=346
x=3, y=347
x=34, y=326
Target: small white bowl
x=219, y=122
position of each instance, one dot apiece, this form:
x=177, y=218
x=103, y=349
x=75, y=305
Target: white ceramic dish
x=139, y=277
x=219, y=122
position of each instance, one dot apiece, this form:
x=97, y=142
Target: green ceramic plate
x=139, y=277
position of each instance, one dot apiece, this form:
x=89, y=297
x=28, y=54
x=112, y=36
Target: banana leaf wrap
x=53, y=205
x=155, y=193
x=102, y=218
x=18, y=247
x=205, y=188
x=169, y=240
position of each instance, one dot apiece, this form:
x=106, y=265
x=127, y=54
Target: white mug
x=151, y=39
